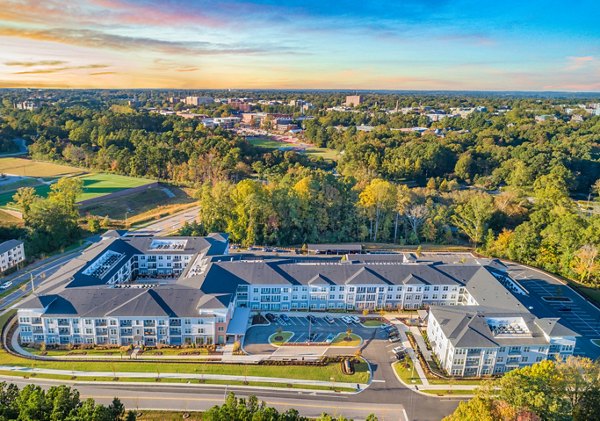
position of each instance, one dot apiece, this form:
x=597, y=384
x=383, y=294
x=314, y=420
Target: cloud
x=35, y=63
x=61, y=69
x=576, y=63
x=97, y=39
x=102, y=73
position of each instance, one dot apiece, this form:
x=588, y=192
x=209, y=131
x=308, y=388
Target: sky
x=527, y=45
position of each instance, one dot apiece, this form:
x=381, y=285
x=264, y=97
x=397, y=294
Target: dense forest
x=504, y=182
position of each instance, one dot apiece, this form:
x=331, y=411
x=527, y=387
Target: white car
x=6, y=285
x=399, y=350
x=355, y=319
x=347, y=319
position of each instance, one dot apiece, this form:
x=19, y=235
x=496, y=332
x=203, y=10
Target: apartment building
x=353, y=100
x=125, y=290
x=495, y=331
x=177, y=290
x=198, y=100
x=11, y=254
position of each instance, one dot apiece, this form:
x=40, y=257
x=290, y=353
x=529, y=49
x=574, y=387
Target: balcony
x=125, y=323
x=126, y=332
x=175, y=332
x=101, y=323
x=149, y=332
x=149, y=323
x=64, y=331
x=101, y=331
x=38, y=330
x=175, y=322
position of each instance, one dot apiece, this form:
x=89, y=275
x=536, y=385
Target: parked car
x=284, y=317
x=347, y=320
x=329, y=319
x=355, y=319
x=393, y=334
x=270, y=317
x=400, y=355
x=311, y=318
x=394, y=339
x=399, y=349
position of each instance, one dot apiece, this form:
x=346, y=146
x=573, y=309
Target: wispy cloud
x=98, y=39
x=576, y=63
x=35, y=63
x=61, y=69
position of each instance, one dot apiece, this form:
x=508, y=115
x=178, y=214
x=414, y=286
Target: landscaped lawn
x=342, y=339
x=94, y=185
x=372, y=323
x=406, y=372
x=75, y=352
x=262, y=142
x=279, y=339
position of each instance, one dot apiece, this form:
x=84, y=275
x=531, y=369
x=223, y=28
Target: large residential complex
x=175, y=290
x=11, y=254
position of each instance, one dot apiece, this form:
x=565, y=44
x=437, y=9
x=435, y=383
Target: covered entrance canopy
x=239, y=322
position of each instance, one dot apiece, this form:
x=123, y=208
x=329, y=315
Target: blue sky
x=510, y=45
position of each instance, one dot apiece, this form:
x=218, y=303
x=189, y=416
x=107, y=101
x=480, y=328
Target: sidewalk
x=191, y=376
x=402, y=328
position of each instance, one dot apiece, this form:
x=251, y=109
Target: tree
x=416, y=215
x=473, y=214
x=24, y=198
x=378, y=197
x=65, y=192
x=585, y=263
x=463, y=166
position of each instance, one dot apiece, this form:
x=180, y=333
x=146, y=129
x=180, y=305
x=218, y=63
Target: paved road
x=202, y=397
x=40, y=271
x=169, y=224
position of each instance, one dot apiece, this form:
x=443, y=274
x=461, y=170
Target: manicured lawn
x=169, y=416
x=279, y=339
x=406, y=372
x=342, y=340
x=100, y=184
x=293, y=372
x=175, y=351
x=94, y=185
x=31, y=168
x=76, y=352
x=262, y=142
x=325, y=153
x=372, y=323
x=473, y=382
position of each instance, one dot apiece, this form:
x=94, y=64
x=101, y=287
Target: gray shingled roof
x=9, y=245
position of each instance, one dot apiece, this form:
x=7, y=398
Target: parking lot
x=551, y=298
x=257, y=337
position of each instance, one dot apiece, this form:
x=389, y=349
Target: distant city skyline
x=287, y=44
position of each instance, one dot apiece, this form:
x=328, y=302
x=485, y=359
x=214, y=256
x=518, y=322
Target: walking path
x=191, y=376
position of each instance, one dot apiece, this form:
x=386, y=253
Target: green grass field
x=94, y=185
x=325, y=153
x=342, y=340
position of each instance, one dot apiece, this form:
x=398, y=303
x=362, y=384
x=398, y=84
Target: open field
x=144, y=205
x=94, y=185
x=7, y=219
x=325, y=153
x=31, y=168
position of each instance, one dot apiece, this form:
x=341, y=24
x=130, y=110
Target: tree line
x=58, y=403
x=550, y=390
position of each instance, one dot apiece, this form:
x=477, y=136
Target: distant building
x=240, y=105
x=29, y=105
x=199, y=100
x=11, y=254
x=544, y=117
x=353, y=100
x=174, y=99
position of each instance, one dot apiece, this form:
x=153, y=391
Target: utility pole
x=32, y=283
